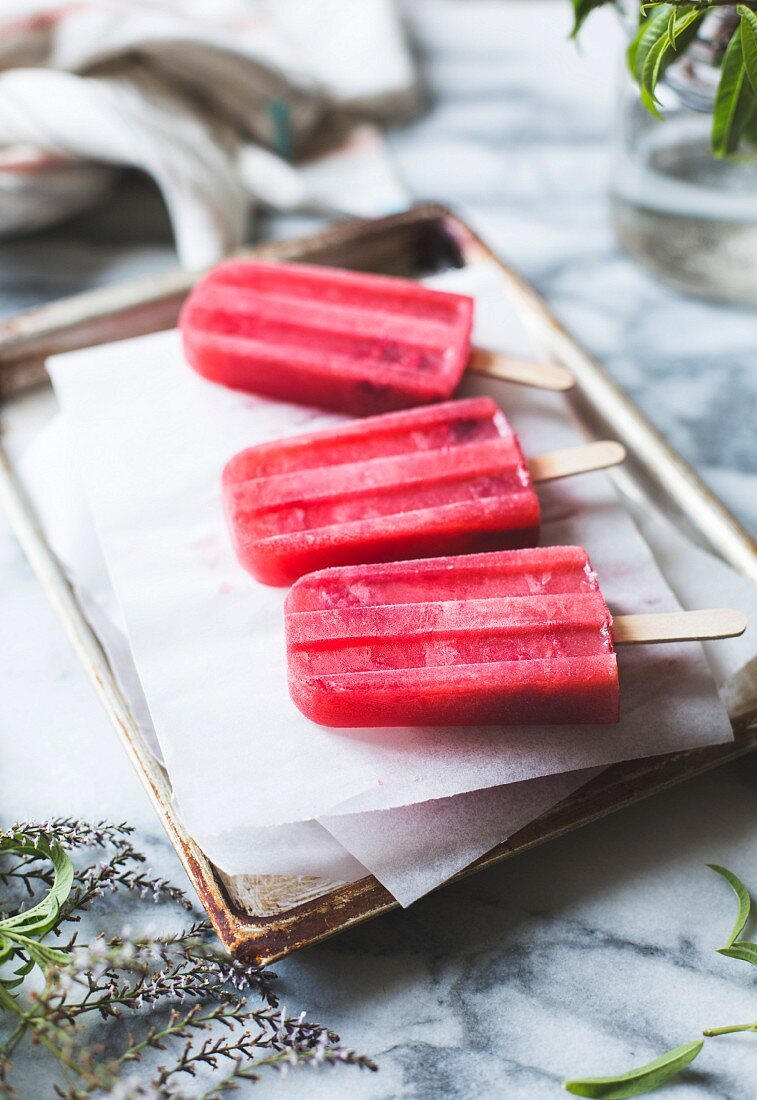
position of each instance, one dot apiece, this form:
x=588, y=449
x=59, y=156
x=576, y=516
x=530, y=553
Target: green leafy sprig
x=666, y=31
x=188, y=1001
x=659, y=41
x=21, y=932
x=643, y=1079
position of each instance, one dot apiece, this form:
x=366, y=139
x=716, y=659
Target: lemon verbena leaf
x=40, y=918
x=646, y=36
x=637, y=1081
x=748, y=20
x=735, y=100
x=742, y=950
x=742, y=897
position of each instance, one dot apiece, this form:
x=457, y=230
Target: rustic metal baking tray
x=264, y=917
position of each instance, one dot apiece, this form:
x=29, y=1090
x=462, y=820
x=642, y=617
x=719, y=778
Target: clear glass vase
x=688, y=216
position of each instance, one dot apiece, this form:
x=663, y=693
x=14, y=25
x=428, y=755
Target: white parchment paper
x=152, y=438
x=410, y=849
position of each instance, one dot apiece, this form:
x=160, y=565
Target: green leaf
x=20, y=934
x=38, y=953
x=742, y=950
x=637, y=1081
x=8, y=1002
x=672, y=29
x=581, y=9
x=41, y=918
x=742, y=897
x=650, y=72
x=735, y=101
x=646, y=36
x=749, y=43
x=658, y=43
x=43, y=955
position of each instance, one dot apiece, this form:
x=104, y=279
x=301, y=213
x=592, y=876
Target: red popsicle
x=321, y=336
x=445, y=479
x=507, y=638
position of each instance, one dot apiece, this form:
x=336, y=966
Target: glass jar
x=688, y=216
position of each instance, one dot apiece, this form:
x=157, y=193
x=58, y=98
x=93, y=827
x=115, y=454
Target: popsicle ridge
x=512, y=637
x=451, y=478
x=344, y=340
x=337, y=287
x=468, y=420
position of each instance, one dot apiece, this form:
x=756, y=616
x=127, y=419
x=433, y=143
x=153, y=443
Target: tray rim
x=62, y=325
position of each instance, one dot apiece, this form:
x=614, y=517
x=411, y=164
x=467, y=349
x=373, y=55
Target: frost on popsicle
x=513, y=637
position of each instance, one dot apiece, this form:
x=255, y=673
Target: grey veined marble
x=597, y=951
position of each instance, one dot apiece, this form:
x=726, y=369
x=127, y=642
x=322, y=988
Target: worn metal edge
x=25, y=527
x=152, y=303
x=599, y=396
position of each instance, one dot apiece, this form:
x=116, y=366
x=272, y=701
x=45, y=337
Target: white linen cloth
x=211, y=100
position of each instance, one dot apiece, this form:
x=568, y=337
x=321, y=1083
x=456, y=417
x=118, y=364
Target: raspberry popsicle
x=342, y=340
x=515, y=637
x=509, y=638
x=446, y=479
x=321, y=336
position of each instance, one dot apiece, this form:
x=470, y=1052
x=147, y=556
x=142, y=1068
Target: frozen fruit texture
x=321, y=336
x=445, y=479
x=518, y=637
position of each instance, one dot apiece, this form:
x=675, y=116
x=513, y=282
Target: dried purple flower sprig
x=181, y=992
x=121, y=869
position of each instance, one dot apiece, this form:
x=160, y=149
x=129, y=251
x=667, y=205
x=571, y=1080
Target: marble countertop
x=598, y=950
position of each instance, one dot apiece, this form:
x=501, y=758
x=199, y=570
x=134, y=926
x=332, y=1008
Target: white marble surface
x=598, y=950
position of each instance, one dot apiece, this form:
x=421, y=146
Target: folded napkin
x=212, y=101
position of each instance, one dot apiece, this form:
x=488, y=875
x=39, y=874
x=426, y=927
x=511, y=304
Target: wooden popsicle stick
x=526, y=372
x=678, y=626
x=598, y=455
